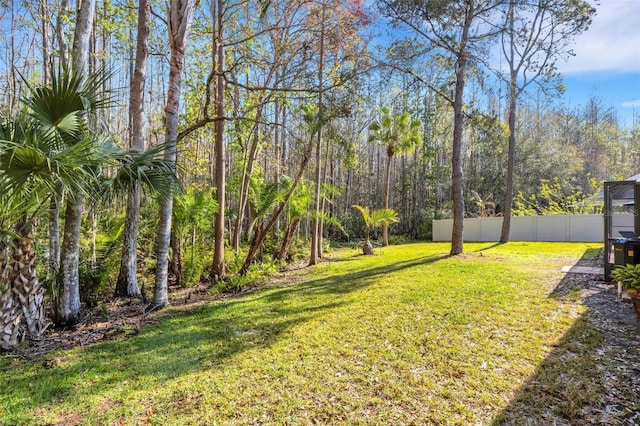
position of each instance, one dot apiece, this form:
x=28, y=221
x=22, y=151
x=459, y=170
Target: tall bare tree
x=535, y=35
x=180, y=16
x=68, y=306
x=459, y=30
x=127, y=284
x=316, y=251
x=218, y=268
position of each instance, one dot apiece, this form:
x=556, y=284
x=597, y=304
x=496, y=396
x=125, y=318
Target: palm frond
x=148, y=168
x=384, y=216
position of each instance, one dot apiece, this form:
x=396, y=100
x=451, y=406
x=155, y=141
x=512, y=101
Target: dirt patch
x=112, y=320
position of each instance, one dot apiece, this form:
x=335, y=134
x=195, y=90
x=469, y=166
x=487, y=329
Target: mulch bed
x=620, y=326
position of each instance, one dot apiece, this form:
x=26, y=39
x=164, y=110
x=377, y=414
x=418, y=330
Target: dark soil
x=112, y=320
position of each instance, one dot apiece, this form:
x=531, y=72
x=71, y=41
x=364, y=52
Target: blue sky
x=607, y=61
x=606, y=64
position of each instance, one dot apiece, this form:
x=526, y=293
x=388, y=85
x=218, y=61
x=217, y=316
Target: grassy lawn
x=408, y=336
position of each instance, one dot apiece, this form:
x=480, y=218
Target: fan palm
x=63, y=111
x=35, y=165
x=372, y=220
x=30, y=167
x=399, y=134
x=46, y=151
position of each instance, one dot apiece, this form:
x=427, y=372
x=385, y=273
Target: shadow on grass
x=204, y=338
x=569, y=386
x=351, y=281
x=489, y=247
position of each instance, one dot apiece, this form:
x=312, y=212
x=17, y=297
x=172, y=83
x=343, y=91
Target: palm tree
x=298, y=206
x=47, y=151
x=486, y=207
x=10, y=312
x=62, y=112
x=372, y=220
x=33, y=166
x=399, y=134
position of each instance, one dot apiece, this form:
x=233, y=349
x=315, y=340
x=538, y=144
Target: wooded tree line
x=277, y=118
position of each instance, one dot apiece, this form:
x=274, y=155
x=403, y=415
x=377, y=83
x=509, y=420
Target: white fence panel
x=551, y=228
x=588, y=228
x=490, y=228
x=585, y=228
x=523, y=228
x=442, y=229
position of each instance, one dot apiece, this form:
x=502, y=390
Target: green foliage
x=353, y=223
x=376, y=218
x=398, y=133
x=300, y=200
x=97, y=278
x=299, y=249
x=194, y=208
x=628, y=275
x=395, y=240
x=93, y=280
x=558, y=197
x=148, y=168
x=193, y=213
x=258, y=272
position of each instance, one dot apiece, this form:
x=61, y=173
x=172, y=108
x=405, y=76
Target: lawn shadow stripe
x=570, y=386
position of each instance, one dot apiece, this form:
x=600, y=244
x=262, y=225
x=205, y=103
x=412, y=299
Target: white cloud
x=631, y=104
x=612, y=42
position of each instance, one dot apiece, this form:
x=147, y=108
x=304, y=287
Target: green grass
x=409, y=336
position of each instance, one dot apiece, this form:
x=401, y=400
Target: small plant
x=374, y=219
x=485, y=207
x=628, y=276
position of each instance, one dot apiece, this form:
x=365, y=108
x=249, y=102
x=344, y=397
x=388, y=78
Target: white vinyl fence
x=577, y=227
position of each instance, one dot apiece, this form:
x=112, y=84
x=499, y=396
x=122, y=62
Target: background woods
x=234, y=136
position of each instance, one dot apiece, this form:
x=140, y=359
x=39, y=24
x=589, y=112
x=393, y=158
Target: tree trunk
x=508, y=196
x=127, y=284
x=387, y=180
x=26, y=287
x=60, y=33
x=82, y=35
x=54, y=215
x=10, y=312
x=283, y=253
x=458, y=129
x=180, y=14
x=254, y=248
x=315, y=227
x=246, y=178
x=513, y=88
x=177, y=259
x=218, y=268
x=46, y=65
x=67, y=310
x=54, y=237
x=367, y=247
